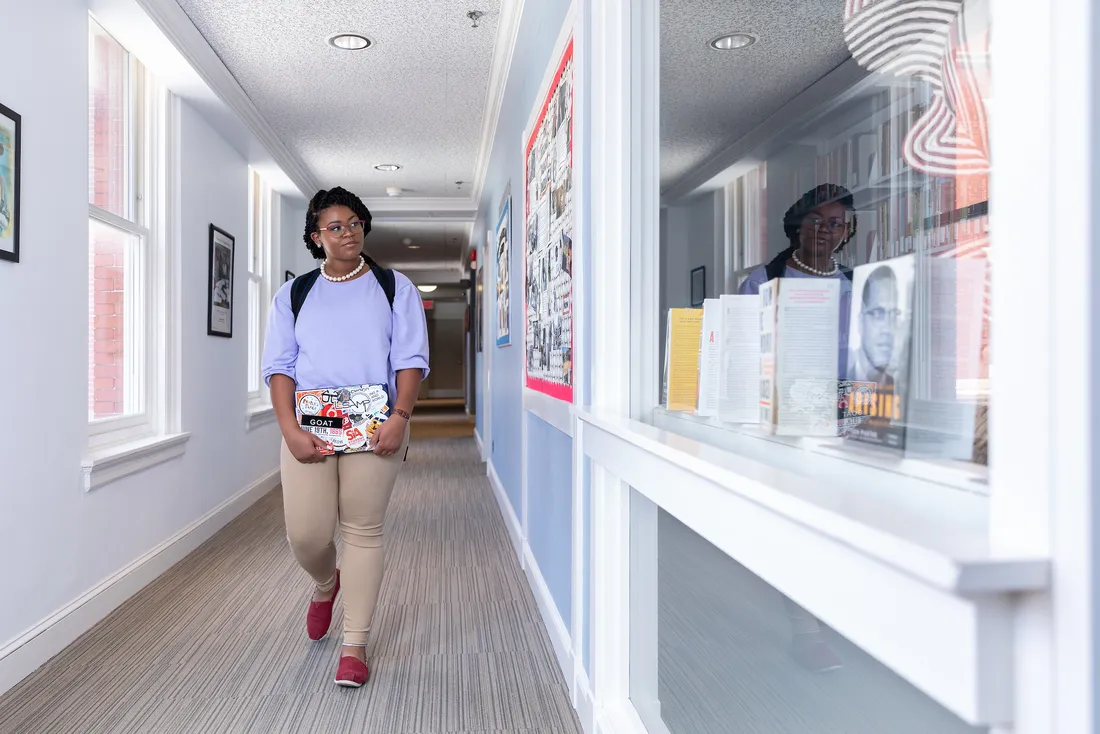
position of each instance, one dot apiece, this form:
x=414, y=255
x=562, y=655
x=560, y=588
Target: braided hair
x=811, y=200
x=322, y=200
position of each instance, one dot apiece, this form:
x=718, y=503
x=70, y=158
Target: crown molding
x=511, y=13
x=182, y=33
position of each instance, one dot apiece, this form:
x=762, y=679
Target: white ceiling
x=710, y=99
x=434, y=245
x=417, y=97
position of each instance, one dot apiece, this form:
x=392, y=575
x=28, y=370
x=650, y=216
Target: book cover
x=710, y=346
x=873, y=397
x=685, y=329
x=799, y=320
x=739, y=358
x=345, y=417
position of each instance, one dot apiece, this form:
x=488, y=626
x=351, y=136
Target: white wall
x=56, y=541
x=295, y=256
x=44, y=518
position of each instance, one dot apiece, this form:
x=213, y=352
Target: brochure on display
x=345, y=417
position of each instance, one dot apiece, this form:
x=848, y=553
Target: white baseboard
x=555, y=625
x=480, y=445
x=26, y=653
x=511, y=520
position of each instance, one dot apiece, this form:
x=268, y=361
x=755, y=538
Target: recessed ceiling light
x=427, y=288
x=414, y=247
x=733, y=41
x=388, y=167
x=349, y=42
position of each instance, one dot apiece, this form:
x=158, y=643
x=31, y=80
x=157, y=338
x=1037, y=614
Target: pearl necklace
x=815, y=271
x=342, y=278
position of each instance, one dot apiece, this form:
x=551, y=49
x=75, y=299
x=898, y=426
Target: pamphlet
x=739, y=369
x=685, y=328
x=798, y=356
x=345, y=417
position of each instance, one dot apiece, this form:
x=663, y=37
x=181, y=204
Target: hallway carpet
x=218, y=643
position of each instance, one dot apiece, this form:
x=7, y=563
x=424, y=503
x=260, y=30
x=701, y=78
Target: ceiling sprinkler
x=475, y=16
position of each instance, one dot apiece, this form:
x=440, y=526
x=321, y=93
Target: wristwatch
x=403, y=413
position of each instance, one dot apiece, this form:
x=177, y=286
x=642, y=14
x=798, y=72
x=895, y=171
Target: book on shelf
x=947, y=360
x=683, y=331
x=799, y=320
x=710, y=345
x=873, y=394
x=739, y=371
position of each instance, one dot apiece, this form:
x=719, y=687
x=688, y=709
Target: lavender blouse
x=346, y=334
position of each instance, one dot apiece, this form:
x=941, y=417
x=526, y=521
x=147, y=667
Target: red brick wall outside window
x=108, y=189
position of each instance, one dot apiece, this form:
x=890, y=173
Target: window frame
x=1026, y=509
x=142, y=118
x=264, y=212
x=120, y=445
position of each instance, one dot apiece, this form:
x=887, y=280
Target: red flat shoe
x=352, y=672
x=319, y=616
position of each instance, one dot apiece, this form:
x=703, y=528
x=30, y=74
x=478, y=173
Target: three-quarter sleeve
x=280, y=345
x=409, y=343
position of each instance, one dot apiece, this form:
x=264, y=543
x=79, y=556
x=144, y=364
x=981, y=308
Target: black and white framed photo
x=698, y=286
x=289, y=277
x=219, y=319
x=11, y=131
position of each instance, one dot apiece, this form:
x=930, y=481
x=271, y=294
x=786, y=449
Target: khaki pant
x=352, y=491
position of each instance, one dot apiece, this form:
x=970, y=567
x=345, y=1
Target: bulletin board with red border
x=548, y=242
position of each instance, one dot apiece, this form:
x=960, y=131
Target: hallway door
x=447, y=343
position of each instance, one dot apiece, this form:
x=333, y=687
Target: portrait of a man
x=875, y=323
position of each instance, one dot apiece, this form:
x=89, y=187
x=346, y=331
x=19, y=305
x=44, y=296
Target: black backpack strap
x=385, y=278
x=299, y=289
x=777, y=268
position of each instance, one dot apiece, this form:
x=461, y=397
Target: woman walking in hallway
x=349, y=323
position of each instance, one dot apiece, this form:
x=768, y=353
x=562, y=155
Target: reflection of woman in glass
x=818, y=226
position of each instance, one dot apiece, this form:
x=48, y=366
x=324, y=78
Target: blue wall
x=550, y=509
x=549, y=452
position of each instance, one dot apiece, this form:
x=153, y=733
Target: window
x=262, y=266
x=855, y=162
x=128, y=299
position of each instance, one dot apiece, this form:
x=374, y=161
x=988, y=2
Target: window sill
x=109, y=464
x=832, y=456
x=868, y=551
x=259, y=415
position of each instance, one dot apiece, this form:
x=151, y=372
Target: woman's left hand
x=389, y=436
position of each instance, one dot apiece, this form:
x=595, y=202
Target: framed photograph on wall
x=219, y=318
x=698, y=286
x=11, y=131
x=503, y=263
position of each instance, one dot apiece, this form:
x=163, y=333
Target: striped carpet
x=218, y=643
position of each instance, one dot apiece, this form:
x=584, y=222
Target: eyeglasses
x=833, y=225
x=340, y=229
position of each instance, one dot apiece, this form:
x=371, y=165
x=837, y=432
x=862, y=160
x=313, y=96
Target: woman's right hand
x=306, y=447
